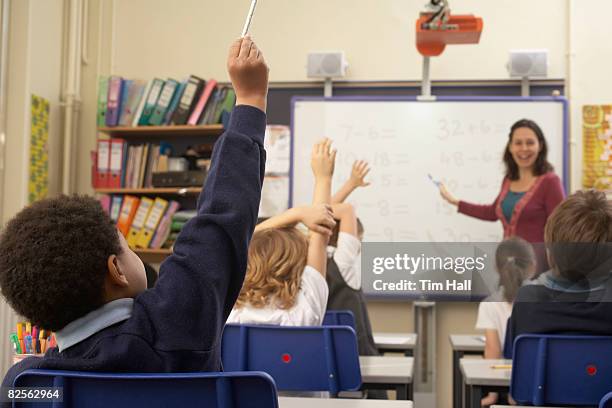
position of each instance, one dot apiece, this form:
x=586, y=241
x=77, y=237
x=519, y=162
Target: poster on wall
x=275, y=191
x=597, y=147
x=38, y=184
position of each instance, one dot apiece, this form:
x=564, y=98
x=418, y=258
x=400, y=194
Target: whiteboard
x=458, y=140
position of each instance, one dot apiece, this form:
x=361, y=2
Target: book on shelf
x=139, y=219
x=157, y=102
x=145, y=222
x=188, y=100
x=113, y=108
x=151, y=101
x=102, y=100
x=202, y=101
x=133, y=95
x=127, y=213
x=165, y=97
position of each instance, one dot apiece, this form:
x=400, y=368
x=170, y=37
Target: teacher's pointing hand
x=446, y=195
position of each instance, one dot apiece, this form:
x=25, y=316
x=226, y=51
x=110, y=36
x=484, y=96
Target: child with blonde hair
x=285, y=281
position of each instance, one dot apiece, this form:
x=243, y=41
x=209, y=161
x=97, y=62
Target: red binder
x=117, y=147
x=103, y=163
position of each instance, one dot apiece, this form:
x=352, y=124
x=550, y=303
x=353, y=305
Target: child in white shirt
x=515, y=262
x=285, y=280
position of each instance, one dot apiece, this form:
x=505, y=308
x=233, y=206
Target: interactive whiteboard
x=457, y=140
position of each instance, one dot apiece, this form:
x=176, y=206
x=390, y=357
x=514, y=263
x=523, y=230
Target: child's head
x=61, y=258
x=515, y=261
x=578, y=235
x=277, y=258
x=333, y=239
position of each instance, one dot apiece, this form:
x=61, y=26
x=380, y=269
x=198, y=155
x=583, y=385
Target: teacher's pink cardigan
x=530, y=213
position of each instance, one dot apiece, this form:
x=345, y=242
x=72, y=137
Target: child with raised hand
x=65, y=267
x=344, y=260
x=285, y=281
x=515, y=262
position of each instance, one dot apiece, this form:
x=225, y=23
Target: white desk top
x=386, y=369
x=479, y=371
x=467, y=342
x=399, y=341
x=518, y=406
x=293, y=402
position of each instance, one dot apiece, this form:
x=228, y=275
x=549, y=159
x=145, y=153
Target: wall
x=156, y=37
x=35, y=38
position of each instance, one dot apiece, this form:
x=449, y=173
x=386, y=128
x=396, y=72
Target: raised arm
x=322, y=163
x=200, y=281
x=318, y=218
x=357, y=179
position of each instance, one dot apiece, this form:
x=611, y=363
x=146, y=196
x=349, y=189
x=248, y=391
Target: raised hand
x=249, y=73
x=322, y=160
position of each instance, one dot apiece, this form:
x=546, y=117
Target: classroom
x=433, y=174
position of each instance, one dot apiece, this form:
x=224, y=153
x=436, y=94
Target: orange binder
x=128, y=211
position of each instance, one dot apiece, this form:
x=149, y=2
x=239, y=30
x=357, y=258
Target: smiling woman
x=529, y=193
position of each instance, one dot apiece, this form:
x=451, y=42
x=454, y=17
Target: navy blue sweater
x=177, y=325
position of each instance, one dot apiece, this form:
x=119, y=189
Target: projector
x=326, y=65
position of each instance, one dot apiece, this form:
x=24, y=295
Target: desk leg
x=457, y=379
x=402, y=391
x=475, y=396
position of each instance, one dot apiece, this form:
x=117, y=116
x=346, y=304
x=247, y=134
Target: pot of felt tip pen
x=30, y=341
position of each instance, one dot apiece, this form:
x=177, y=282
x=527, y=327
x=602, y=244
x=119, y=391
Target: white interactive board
x=458, y=140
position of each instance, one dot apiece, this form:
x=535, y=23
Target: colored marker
x=28, y=344
x=436, y=183
x=502, y=366
x=16, y=344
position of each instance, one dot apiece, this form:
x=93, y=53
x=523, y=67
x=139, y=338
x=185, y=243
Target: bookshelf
x=179, y=137
x=162, y=131
x=178, y=191
x=153, y=255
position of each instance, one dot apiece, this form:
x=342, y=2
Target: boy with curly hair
x=65, y=267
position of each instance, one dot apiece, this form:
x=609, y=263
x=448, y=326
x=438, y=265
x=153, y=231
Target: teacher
x=530, y=190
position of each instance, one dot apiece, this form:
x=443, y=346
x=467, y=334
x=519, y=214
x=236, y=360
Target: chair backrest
x=561, y=370
x=606, y=401
x=93, y=390
x=339, y=318
x=312, y=358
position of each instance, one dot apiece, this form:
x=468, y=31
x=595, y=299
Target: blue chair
x=312, y=358
x=561, y=370
x=339, y=318
x=93, y=390
x=606, y=401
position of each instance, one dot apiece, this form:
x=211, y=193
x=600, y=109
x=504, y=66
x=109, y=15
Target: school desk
x=396, y=342
x=388, y=373
x=293, y=402
x=463, y=344
x=480, y=377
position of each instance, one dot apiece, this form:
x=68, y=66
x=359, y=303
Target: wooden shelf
x=182, y=191
x=153, y=255
x=162, y=131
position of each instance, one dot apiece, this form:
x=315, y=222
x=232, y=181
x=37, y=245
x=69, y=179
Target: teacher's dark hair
x=541, y=165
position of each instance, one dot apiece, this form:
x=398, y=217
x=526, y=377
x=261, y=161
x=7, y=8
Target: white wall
x=35, y=42
x=158, y=37
x=34, y=60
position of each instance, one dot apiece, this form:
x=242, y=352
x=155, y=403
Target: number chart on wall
x=457, y=141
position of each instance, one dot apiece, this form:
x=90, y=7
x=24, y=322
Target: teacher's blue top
x=509, y=203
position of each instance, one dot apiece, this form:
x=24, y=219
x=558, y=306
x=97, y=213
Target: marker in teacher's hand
x=247, y=23
x=436, y=183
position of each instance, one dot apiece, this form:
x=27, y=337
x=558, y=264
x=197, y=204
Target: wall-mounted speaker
x=528, y=63
x=326, y=65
